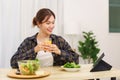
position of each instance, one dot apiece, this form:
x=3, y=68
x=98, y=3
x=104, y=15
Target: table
x=58, y=74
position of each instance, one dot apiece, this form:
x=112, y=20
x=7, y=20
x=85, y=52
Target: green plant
x=89, y=48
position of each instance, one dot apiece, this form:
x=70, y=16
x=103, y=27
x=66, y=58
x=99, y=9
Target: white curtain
x=16, y=23
x=9, y=29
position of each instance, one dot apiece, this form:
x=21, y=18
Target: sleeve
x=67, y=53
x=25, y=51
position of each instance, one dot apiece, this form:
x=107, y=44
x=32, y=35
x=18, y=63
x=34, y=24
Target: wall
x=94, y=15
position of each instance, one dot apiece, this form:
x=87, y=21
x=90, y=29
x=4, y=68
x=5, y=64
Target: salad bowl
x=28, y=67
x=71, y=67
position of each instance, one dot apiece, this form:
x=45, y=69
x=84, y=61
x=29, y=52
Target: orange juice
x=48, y=41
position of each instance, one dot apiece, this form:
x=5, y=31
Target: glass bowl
x=28, y=67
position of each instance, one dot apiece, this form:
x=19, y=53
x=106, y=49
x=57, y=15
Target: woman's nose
x=52, y=25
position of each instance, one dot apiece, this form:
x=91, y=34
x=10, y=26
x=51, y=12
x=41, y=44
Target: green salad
x=71, y=65
x=28, y=67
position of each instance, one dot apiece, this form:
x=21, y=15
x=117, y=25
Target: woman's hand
x=53, y=48
x=47, y=48
x=39, y=47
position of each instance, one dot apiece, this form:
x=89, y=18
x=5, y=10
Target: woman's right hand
x=39, y=47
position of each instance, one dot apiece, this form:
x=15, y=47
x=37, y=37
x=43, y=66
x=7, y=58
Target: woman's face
x=48, y=26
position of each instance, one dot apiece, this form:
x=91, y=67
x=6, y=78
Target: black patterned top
x=26, y=51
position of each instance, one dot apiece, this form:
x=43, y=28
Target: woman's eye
x=48, y=23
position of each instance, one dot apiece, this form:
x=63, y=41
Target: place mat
x=13, y=74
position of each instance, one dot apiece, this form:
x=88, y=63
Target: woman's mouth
x=50, y=30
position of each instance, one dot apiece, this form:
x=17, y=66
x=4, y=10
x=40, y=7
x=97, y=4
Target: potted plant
x=89, y=47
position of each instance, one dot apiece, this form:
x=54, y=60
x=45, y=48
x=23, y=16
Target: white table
x=58, y=74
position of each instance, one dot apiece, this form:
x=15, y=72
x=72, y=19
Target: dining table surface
x=57, y=73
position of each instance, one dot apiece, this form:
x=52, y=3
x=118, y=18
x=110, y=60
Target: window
x=114, y=16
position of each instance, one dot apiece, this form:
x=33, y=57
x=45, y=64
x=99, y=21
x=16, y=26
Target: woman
x=37, y=46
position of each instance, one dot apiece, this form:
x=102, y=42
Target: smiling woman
x=15, y=23
x=55, y=54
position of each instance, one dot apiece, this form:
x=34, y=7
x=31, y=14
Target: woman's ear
x=38, y=24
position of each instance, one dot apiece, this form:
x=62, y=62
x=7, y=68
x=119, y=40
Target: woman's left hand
x=53, y=48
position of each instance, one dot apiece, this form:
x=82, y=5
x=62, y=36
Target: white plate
x=70, y=69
